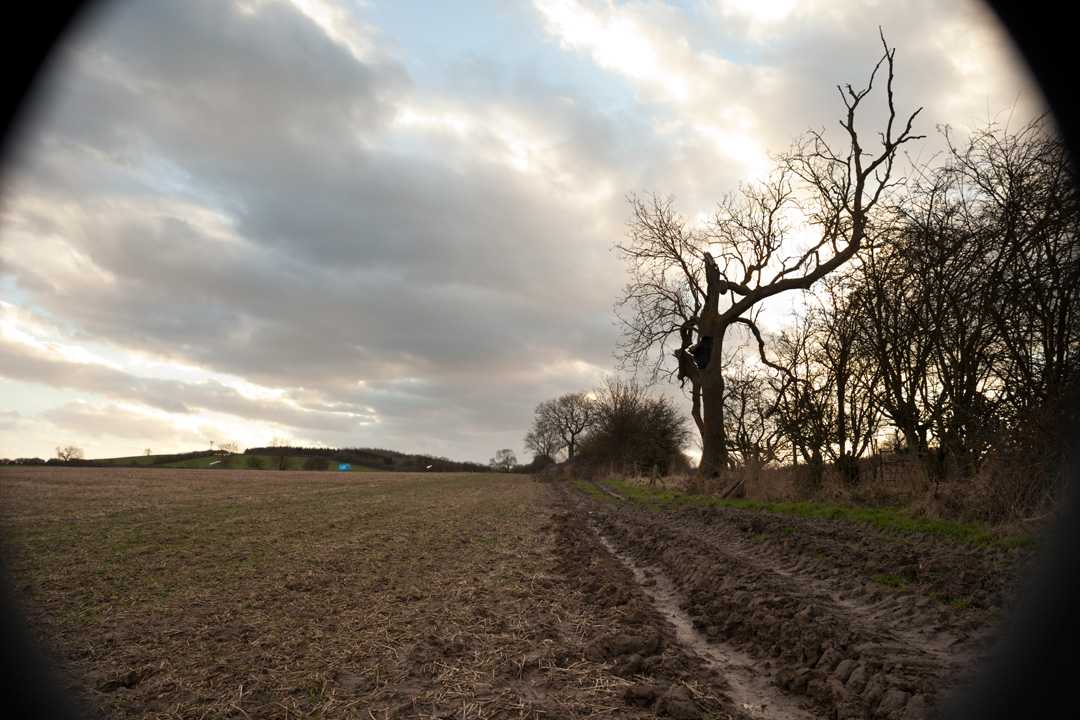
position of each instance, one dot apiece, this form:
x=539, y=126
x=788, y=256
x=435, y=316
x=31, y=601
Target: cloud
x=93, y=421
x=10, y=420
x=740, y=79
x=28, y=358
x=222, y=213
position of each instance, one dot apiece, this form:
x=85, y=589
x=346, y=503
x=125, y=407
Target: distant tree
x=504, y=460
x=801, y=409
x=567, y=416
x=895, y=331
x=633, y=431
x=69, y=452
x=230, y=447
x=148, y=452
x=753, y=435
x=539, y=462
x=851, y=378
x=282, y=454
x=543, y=438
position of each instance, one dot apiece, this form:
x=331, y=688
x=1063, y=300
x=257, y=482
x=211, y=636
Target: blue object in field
x=344, y=466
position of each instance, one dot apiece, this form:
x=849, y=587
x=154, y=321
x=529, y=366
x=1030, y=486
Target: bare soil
x=859, y=621
x=248, y=594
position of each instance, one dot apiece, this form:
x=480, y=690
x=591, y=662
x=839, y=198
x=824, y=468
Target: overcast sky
x=389, y=224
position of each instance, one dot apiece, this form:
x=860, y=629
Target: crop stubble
x=214, y=594
x=203, y=594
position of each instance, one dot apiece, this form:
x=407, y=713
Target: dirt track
x=849, y=621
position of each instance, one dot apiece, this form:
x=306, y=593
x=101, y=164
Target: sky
x=391, y=224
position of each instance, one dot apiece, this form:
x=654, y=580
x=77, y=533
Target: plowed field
x=214, y=594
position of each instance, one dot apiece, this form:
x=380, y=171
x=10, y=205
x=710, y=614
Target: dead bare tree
x=801, y=408
x=69, y=452
x=745, y=255
x=664, y=296
x=1024, y=193
x=568, y=416
x=544, y=439
x=753, y=435
x=504, y=460
x=851, y=379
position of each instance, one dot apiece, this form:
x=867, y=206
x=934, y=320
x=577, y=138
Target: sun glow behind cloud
x=741, y=147
x=616, y=42
x=760, y=11
x=505, y=138
x=699, y=95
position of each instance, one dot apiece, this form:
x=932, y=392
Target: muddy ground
x=247, y=594
x=855, y=621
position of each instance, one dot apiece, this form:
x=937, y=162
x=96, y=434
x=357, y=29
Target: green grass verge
x=589, y=489
x=896, y=519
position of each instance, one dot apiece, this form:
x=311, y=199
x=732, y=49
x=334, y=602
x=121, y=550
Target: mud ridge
x=662, y=675
x=749, y=689
x=797, y=599
x=889, y=614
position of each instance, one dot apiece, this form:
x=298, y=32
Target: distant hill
x=375, y=459
x=154, y=460
x=292, y=458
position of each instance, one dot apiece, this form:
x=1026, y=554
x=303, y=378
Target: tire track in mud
x=859, y=568
x=849, y=667
x=842, y=557
x=663, y=677
x=889, y=616
x=749, y=690
x=809, y=602
x=853, y=654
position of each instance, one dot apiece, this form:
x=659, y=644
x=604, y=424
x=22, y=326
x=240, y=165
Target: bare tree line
x=942, y=307
x=617, y=427
x=705, y=283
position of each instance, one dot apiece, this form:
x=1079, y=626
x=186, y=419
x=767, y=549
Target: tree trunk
x=714, y=451
x=817, y=468
x=711, y=378
x=695, y=408
x=841, y=414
